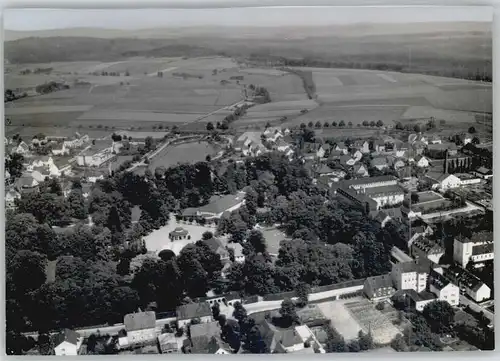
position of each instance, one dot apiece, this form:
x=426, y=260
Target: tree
x=472, y=130
x=335, y=342
x=257, y=241
x=365, y=123
x=334, y=124
x=380, y=124
x=399, y=344
x=476, y=141
x=288, y=313
x=349, y=124
x=166, y=255
x=302, y=291
x=210, y=126
x=414, y=197
x=399, y=126
x=149, y=144
x=354, y=346
x=310, y=124
x=240, y=313
x=14, y=164
x=318, y=124
x=416, y=128
x=365, y=341
x=302, y=125
x=373, y=124
x=326, y=124
x=440, y=315
x=216, y=311
x=341, y=123
x=207, y=235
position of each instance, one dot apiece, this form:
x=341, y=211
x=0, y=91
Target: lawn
x=428, y=196
x=341, y=319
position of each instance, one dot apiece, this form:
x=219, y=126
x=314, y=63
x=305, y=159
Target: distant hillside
x=456, y=49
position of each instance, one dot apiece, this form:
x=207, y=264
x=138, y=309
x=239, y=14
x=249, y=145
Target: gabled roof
x=68, y=336
x=238, y=249
x=139, y=321
x=484, y=171
x=323, y=169
x=204, y=329
x=438, y=280
x=214, y=244
x=336, y=153
x=479, y=237
x=378, y=142
x=377, y=282
x=179, y=231
x=420, y=266
x=193, y=310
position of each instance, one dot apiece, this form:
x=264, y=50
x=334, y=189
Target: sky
x=127, y=19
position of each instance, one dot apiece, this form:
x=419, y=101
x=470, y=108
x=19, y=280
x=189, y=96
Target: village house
x=78, y=142
x=360, y=170
x=335, y=154
x=396, y=163
x=465, y=138
x=178, y=233
x=272, y=134
x=247, y=139
x=442, y=181
x=341, y=147
x=67, y=343
x=418, y=147
x=323, y=170
x=421, y=161
x=323, y=150
x=10, y=198
x=418, y=231
x=435, y=139
x=379, y=146
x=443, y=288
x=140, y=327
x=97, y=154
x=362, y=145
x=411, y=275
x=387, y=215
x=423, y=247
x=282, y=146
x=478, y=249
x=377, y=288
x=26, y=184
x=59, y=149
x=22, y=148
x=237, y=248
x=379, y=163
x=355, y=153
x=347, y=161
x=186, y=313
x=468, y=283
x=218, y=248
x=419, y=300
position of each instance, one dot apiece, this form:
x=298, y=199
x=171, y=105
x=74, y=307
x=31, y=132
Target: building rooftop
x=369, y=180
x=419, y=265
x=139, y=321
x=208, y=329
x=483, y=170
x=214, y=244
x=382, y=281
x=193, y=310
x=438, y=280
x=179, y=231
x=220, y=204
x=68, y=336
x=479, y=237
x=482, y=249
x=391, y=189
x=379, y=161
x=238, y=249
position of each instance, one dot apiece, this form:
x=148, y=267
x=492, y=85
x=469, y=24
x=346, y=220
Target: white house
x=420, y=300
x=468, y=283
x=423, y=247
x=411, y=275
x=443, y=181
x=342, y=148
x=386, y=195
x=322, y=150
x=60, y=149
x=380, y=163
x=140, y=327
x=94, y=179
x=360, y=170
x=444, y=289
x=282, y=146
x=21, y=148
x=478, y=249
x=10, y=198
x=239, y=257
x=67, y=343
x=46, y=167
x=357, y=154
x=422, y=161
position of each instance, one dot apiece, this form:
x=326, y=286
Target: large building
x=423, y=247
x=411, y=275
x=478, y=249
x=216, y=207
x=67, y=343
x=378, y=287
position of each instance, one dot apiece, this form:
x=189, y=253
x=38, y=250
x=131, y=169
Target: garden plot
x=341, y=319
x=372, y=320
x=46, y=109
x=138, y=116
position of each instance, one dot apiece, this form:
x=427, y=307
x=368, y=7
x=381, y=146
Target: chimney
x=446, y=161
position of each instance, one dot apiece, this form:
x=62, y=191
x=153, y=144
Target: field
x=195, y=91
x=428, y=196
x=355, y=95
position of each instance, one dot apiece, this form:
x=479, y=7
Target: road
x=475, y=307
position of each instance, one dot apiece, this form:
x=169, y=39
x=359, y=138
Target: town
x=168, y=197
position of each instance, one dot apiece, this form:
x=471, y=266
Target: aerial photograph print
x=248, y=180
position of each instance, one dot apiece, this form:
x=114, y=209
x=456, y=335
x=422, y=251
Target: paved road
x=475, y=307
